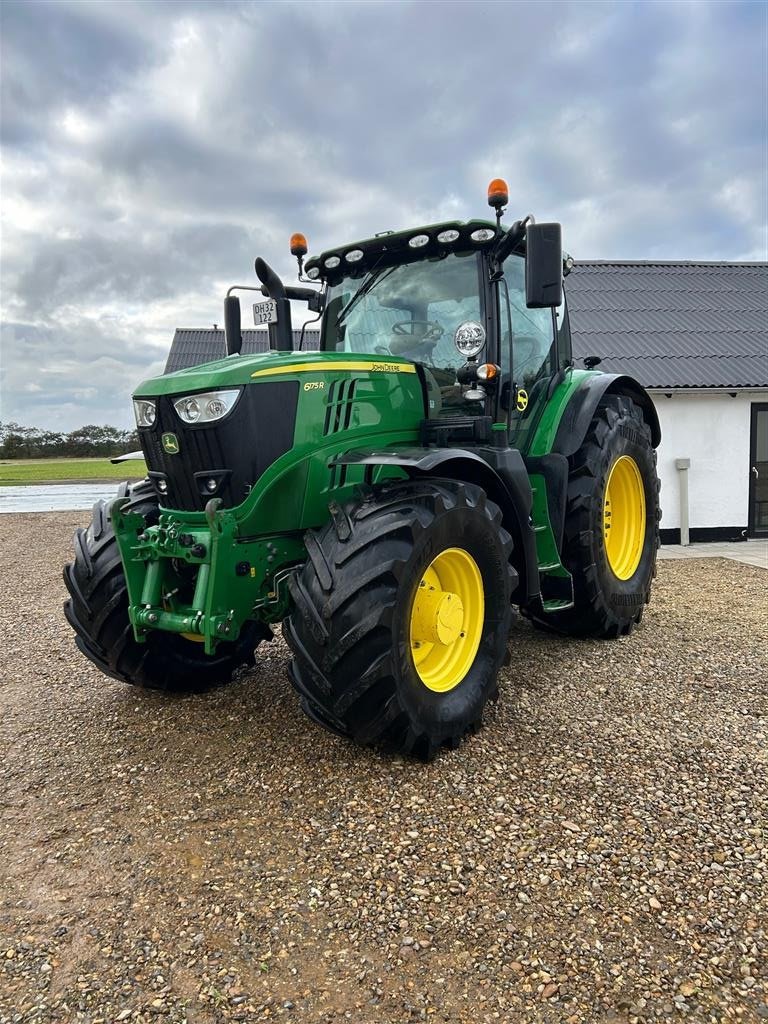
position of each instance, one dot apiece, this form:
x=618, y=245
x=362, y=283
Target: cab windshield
x=409, y=310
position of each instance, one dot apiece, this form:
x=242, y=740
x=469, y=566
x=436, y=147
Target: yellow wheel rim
x=624, y=517
x=447, y=618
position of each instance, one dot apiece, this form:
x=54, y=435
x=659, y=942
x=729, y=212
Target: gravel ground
x=596, y=853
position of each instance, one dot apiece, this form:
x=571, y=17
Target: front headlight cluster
x=145, y=412
x=206, y=407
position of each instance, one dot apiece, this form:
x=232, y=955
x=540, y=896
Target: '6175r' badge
x=170, y=444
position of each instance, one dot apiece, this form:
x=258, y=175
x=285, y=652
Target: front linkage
x=202, y=581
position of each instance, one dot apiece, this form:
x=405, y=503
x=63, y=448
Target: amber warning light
x=498, y=193
x=298, y=245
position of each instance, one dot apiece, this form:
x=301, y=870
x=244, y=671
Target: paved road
x=748, y=552
x=54, y=497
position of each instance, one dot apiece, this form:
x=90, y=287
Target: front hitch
x=201, y=580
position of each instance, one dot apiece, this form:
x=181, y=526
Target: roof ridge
x=220, y=330
x=687, y=358
x=669, y=263
x=669, y=330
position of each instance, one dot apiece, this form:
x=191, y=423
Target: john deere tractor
x=390, y=499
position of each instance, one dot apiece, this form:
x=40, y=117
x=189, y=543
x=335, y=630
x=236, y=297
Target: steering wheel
x=435, y=330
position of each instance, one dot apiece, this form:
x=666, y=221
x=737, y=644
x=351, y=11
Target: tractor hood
x=237, y=370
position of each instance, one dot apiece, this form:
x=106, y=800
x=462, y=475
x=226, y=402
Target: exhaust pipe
x=280, y=334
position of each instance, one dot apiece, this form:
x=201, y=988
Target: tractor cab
x=448, y=304
x=478, y=307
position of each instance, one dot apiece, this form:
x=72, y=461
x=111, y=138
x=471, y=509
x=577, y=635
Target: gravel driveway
x=596, y=853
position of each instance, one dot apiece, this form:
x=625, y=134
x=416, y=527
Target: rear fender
x=581, y=408
x=505, y=482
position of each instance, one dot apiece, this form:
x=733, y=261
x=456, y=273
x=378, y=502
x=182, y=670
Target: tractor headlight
x=207, y=406
x=145, y=412
x=469, y=338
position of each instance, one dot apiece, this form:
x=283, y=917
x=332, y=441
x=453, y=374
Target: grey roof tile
x=192, y=346
x=700, y=372
x=673, y=324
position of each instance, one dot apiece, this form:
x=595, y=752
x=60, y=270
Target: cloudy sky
x=151, y=150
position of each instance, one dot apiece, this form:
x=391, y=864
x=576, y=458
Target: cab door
x=540, y=348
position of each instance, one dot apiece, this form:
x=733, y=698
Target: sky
x=150, y=151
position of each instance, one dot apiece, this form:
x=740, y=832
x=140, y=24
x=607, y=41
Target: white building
x=696, y=336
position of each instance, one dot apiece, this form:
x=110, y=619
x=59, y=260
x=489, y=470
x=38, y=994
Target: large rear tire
x=612, y=524
x=402, y=615
x=97, y=610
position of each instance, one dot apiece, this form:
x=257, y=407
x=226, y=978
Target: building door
x=758, y=471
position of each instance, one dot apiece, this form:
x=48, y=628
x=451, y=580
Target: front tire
x=97, y=610
x=402, y=615
x=612, y=524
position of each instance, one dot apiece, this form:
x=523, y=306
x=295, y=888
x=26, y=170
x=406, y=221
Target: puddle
x=54, y=497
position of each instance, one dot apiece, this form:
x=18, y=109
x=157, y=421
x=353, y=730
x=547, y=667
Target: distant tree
x=18, y=442
x=51, y=444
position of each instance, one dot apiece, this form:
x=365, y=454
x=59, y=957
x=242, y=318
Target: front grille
x=235, y=451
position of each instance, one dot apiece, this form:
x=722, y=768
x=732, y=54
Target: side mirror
x=543, y=266
x=233, y=336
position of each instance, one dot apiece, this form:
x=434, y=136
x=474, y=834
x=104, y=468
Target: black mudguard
x=500, y=472
x=583, y=404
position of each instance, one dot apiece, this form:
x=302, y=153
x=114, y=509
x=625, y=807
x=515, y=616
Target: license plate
x=265, y=312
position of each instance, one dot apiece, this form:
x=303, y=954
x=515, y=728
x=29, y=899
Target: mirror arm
x=314, y=299
x=510, y=239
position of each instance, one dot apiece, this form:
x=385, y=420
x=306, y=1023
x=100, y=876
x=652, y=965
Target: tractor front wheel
x=401, y=616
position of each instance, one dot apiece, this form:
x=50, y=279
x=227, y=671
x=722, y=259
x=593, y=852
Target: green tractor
x=390, y=499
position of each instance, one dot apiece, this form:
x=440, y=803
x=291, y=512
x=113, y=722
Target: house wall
x=712, y=430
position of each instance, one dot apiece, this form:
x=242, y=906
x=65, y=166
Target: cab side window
x=536, y=353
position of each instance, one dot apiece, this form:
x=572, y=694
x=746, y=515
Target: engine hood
x=235, y=370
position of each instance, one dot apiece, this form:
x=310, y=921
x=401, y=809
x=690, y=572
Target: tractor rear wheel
x=611, y=525
x=401, y=616
x=97, y=610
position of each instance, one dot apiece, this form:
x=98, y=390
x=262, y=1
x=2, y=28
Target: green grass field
x=46, y=471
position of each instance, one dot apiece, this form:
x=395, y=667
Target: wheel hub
x=447, y=616
x=624, y=517
x=437, y=616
